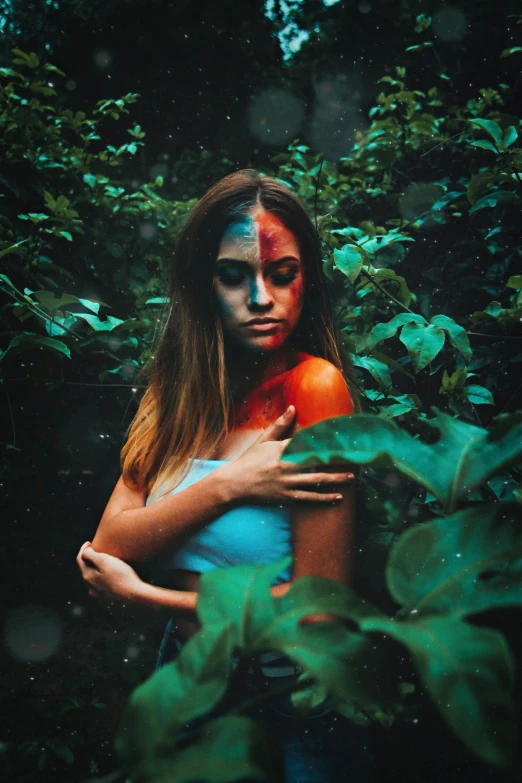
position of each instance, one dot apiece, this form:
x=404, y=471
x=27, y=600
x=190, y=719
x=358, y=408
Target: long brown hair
x=185, y=410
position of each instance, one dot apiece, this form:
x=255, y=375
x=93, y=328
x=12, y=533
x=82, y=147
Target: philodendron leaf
x=461, y=564
x=468, y=672
x=347, y=664
x=423, y=342
x=461, y=459
x=185, y=689
x=228, y=749
x=240, y=596
x=342, y=661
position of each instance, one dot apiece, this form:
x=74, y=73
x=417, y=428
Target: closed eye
x=232, y=280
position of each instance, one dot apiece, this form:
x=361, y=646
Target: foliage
x=419, y=226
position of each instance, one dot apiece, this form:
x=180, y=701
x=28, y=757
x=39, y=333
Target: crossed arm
x=323, y=537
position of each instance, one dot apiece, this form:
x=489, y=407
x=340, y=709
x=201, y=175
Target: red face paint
x=259, y=273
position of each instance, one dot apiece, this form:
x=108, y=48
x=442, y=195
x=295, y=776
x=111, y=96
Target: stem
x=36, y=310
x=385, y=292
x=77, y=383
x=315, y=199
x=496, y=336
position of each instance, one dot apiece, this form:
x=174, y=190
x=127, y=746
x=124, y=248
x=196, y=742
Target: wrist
x=165, y=598
x=229, y=486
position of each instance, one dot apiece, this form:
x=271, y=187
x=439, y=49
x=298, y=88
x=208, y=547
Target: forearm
x=139, y=534
x=184, y=602
x=179, y=601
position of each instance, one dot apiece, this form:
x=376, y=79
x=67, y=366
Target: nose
x=259, y=295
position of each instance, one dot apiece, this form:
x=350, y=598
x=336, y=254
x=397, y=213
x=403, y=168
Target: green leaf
x=457, y=335
x=108, y=325
x=384, y=331
x=485, y=145
x=225, y=750
x=479, y=395
x=500, y=198
x=351, y=670
x=240, y=596
x=468, y=672
x=26, y=341
x=349, y=259
x=515, y=281
x=478, y=185
x=177, y=693
x=379, y=370
x=459, y=565
x=493, y=130
x=49, y=301
x=509, y=136
x=400, y=291
x=507, y=52
x=423, y=343
x=463, y=457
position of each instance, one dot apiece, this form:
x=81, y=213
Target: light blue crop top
x=247, y=534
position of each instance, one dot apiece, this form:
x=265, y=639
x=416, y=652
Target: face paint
x=259, y=274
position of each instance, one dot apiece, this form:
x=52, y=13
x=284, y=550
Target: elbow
x=107, y=540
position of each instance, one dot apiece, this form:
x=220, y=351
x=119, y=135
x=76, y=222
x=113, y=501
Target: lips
x=266, y=328
x=262, y=321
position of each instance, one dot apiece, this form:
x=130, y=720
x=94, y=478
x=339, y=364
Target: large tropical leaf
x=468, y=562
x=468, y=672
x=463, y=457
x=185, y=689
x=240, y=596
x=228, y=749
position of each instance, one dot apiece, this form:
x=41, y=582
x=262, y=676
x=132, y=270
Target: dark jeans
x=324, y=747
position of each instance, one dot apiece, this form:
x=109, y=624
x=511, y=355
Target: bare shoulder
x=319, y=391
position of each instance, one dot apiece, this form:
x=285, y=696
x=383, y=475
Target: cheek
x=295, y=294
x=225, y=307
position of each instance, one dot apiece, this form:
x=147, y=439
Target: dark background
x=200, y=69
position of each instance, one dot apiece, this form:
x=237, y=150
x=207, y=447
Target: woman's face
x=259, y=274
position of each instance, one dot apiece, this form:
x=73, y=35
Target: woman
x=248, y=354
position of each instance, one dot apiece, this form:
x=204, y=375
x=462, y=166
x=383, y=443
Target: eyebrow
x=268, y=263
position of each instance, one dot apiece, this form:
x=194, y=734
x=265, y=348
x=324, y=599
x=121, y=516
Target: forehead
x=260, y=234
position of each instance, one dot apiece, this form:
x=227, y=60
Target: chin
x=261, y=345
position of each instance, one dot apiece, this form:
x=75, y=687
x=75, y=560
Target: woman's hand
x=108, y=577
x=259, y=477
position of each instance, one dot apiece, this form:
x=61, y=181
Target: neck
x=249, y=370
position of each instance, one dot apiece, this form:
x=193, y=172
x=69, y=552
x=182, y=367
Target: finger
x=275, y=430
x=315, y=497
x=311, y=479
x=80, y=553
x=92, y=557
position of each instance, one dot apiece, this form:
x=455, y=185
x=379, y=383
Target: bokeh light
x=336, y=116
x=32, y=632
x=158, y=170
x=103, y=59
x=148, y=230
x=417, y=199
x=450, y=24
x=364, y=7
x=275, y=116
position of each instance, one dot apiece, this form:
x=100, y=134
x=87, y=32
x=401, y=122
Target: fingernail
x=338, y=497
